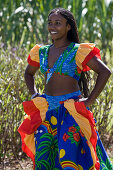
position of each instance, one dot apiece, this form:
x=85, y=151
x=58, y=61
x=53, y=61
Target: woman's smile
x=53, y=32
x=57, y=26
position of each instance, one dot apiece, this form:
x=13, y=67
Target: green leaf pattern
x=49, y=146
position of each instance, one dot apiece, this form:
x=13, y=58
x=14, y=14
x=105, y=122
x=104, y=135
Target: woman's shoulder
x=83, y=49
x=34, y=55
x=85, y=52
x=85, y=45
x=43, y=47
x=36, y=47
x=39, y=46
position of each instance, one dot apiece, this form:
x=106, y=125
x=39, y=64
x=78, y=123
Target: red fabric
x=29, y=107
x=94, y=52
x=32, y=63
x=26, y=149
x=80, y=107
x=29, y=126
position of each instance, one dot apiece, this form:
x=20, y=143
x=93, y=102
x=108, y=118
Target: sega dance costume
x=59, y=133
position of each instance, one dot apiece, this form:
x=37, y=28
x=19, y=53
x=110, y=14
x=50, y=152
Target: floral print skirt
x=65, y=135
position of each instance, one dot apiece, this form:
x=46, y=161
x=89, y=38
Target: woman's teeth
x=53, y=32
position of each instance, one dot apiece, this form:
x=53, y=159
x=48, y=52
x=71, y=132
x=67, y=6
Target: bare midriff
x=61, y=85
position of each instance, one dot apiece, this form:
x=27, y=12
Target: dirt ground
x=26, y=164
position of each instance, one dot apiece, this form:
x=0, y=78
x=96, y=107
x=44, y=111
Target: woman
x=63, y=126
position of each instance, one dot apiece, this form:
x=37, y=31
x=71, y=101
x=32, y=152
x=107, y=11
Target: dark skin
x=60, y=84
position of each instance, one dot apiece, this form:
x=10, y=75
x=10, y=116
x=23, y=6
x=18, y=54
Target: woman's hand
x=86, y=101
x=35, y=95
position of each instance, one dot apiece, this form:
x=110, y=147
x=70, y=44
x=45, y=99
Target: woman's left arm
x=103, y=74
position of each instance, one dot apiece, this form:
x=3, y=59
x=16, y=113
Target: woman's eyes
x=56, y=23
x=49, y=23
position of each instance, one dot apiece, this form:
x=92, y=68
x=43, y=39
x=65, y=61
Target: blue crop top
x=71, y=62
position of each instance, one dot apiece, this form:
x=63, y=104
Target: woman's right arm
x=29, y=78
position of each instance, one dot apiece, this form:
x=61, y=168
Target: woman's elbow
x=107, y=72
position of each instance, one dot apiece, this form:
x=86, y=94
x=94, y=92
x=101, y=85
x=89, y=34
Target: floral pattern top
x=71, y=62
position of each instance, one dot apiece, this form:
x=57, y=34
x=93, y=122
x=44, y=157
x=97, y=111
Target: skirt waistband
x=53, y=101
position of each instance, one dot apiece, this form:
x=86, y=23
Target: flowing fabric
x=60, y=133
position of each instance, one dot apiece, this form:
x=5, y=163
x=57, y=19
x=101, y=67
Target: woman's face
x=58, y=27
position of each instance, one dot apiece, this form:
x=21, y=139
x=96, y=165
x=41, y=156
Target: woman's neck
x=61, y=43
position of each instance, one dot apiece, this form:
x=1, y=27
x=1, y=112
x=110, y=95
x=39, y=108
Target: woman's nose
x=51, y=26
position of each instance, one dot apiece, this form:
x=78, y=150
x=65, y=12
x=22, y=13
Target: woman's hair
x=72, y=36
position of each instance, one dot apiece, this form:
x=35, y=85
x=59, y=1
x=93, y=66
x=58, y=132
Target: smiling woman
x=58, y=27
x=59, y=120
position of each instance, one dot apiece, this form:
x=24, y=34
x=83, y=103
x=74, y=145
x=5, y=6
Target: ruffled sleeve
x=85, y=52
x=33, y=58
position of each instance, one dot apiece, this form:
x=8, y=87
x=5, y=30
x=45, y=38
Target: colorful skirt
x=60, y=133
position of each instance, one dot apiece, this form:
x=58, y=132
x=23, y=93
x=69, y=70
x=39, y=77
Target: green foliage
x=25, y=22
x=13, y=92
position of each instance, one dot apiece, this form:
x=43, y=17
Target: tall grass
x=13, y=92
